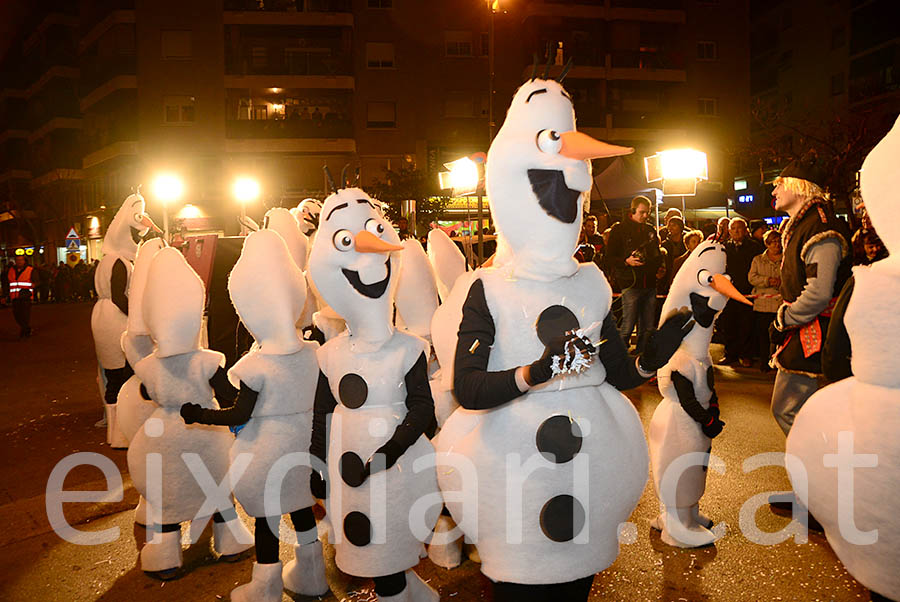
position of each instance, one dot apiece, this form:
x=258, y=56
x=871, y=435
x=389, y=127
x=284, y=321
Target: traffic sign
x=73, y=244
x=72, y=234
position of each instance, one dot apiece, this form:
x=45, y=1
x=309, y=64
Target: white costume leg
x=446, y=554
x=305, y=574
x=265, y=586
x=231, y=537
x=162, y=553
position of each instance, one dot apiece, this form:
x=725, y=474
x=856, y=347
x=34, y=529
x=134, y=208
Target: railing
x=304, y=6
x=301, y=63
x=94, y=12
x=100, y=70
x=636, y=59
x=114, y=132
x=55, y=156
x=290, y=128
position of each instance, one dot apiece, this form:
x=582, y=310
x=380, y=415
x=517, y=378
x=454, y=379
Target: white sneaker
x=231, y=538
x=162, y=552
x=305, y=574
x=265, y=586
x=114, y=436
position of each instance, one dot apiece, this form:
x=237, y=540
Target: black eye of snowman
x=549, y=141
x=343, y=240
x=704, y=277
x=375, y=227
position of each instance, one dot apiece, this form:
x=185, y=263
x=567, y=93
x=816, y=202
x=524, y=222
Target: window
x=258, y=58
x=708, y=106
x=176, y=44
x=485, y=44
x=178, y=110
x=838, y=37
x=381, y=115
x=380, y=3
x=707, y=51
x=837, y=84
x=379, y=55
x=458, y=43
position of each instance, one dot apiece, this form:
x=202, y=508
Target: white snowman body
x=355, y=265
x=177, y=372
x=862, y=411
x=268, y=291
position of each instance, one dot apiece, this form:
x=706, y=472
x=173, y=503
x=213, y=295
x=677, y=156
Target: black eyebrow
x=541, y=91
x=705, y=250
x=365, y=201
x=566, y=94
x=333, y=209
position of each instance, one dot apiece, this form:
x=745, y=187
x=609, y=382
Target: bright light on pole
x=462, y=177
x=167, y=187
x=245, y=190
x=684, y=164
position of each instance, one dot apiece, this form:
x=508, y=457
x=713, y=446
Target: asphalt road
x=49, y=403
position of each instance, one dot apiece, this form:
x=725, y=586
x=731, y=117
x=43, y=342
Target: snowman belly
x=180, y=497
x=107, y=325
x=372, y=522
x=133, y=409
x=672, y=434
x=545, y=520
x=274, y=482
x=871, y=415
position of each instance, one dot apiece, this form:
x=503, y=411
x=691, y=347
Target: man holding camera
x=634, y=255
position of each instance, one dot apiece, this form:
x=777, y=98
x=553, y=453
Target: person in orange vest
x=22, y=281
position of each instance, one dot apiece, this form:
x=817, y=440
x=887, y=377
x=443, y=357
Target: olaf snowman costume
x=582, y=439
x=860, y=415
x=375, y=400
x=176, y=372
x=277, y=381
x=110, y=314
x=687, y=418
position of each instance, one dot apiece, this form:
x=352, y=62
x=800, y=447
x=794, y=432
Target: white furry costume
x=582, y=438
x=861, y=414
x=355, y=268
x=701, y=286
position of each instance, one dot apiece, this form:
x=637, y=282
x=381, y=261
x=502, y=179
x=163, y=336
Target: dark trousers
x=762, y=320
x=22, y=314
x=638, y=308
x=115, y=378
x=737, y=322
x=572, y=591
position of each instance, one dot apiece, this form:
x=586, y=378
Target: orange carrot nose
x=723, y=285
x=577, y=145
x=366, y=242
x=146, y=221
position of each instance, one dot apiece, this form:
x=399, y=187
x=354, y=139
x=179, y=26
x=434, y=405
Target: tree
x=410, y=184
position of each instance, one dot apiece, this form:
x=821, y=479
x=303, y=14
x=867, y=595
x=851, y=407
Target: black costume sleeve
x=419, y=416
x=475, y=387
x=621, y=371
x=323, y=406
x=237, y=414
x=836, y=350
x=688, y=399
x=225, y=392
x=144, y=393
x=119, y=286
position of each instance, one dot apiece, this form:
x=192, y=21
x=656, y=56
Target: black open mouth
x=703, y=313
x=554, y=197
x=372, y=291
x=136, y=236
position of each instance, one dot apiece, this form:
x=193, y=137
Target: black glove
x=317, y=485
x=776, y=337
x=664, y=342
x=190, y=412
x=541, y=371
x=713, y=428
x=714, y=406
x=391, y=453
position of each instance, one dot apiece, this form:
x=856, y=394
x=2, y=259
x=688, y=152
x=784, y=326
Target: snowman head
x=285, y=224
x=173, y=303
x=268, y=291
x=147, y=250
x=307, y=214
x=130, y=224
x=537, y=175
x=877, y=181
x=702, y=285
x=354, y=263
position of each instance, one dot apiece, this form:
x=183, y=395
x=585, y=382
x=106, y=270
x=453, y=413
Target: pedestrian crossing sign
x=73, y=244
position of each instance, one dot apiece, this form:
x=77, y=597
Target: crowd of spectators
x=56, y=283
x=640, y=263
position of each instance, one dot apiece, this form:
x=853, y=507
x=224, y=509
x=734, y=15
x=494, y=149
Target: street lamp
x=679, y=170
x=466, y=177
x=167, y=187
x=245, y=190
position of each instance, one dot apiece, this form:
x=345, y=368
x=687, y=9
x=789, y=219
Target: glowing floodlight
x=246, y=189
x=684, y=164
x=168, y=187
x=462, y=177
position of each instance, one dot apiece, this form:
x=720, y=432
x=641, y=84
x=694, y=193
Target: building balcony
x=57, y=123
x=659, y=11
x=622, y=65
x=332, y=82
x=95, y=73
x=100, y=12
x=313, y=13
x=113, y=133
x=288, y=128
x=71, y=73
x=107, y=153
x=312, y=62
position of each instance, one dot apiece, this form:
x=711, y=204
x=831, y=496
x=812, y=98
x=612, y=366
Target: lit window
x=381, y=115
x=178, y=110
x=458, y=43
x=379, y=55
x=708, y=106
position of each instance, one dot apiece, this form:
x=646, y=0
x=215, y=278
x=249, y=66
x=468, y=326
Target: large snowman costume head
x=307, y=214
x=268, y=291
x=173, y=304
x=878, y=184
x=538, y=170
x=702, y=285
x=285, y=224
x=355, y=266
x=130, y=224
x=147, y=250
